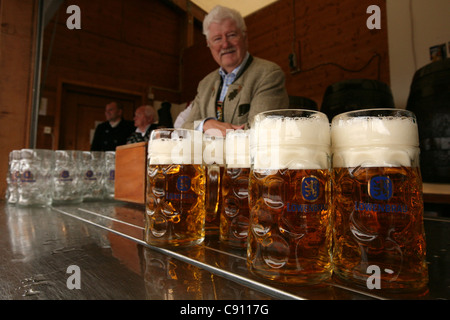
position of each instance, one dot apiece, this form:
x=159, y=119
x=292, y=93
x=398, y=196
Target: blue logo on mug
x=65, y=174
x=183, y=183
x=28, y=176
x=310, y=188
x=380, y=188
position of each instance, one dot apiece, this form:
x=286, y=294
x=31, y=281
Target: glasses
x=232, y=37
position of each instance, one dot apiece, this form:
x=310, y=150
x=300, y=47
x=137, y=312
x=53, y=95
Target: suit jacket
x=107, y=138
x=259, y=87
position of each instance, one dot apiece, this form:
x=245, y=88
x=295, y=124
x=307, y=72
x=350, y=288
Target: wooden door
x=82, y=108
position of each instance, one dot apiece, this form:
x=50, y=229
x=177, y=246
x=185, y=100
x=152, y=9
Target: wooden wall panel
x=328, y=37
x=123, y=45
x=196, y=64
x=17, y=49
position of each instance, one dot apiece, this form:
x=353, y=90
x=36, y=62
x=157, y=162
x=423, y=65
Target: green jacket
x=260, y=87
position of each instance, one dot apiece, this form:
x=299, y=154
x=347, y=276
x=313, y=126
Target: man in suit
x=243, y=86
x=114, y=131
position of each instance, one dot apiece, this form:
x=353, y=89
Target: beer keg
x=297, y=102
x=429, y=99
x=355, y=94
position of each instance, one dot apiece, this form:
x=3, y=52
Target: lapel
x=234, y=93
x=232, y=101
x=211, y=108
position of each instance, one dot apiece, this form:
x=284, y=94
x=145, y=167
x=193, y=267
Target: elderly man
x=243, y=86
x=144, y=118
x=114, y=131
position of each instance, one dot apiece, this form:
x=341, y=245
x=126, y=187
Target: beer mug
x=67, y=180
x=377, y=200
x=289, y=237
x=13, y=177
x=109, y=174
x=175, y=190
x=93, y=167
x=35, y=183
x=234, y=216
x=214, y=161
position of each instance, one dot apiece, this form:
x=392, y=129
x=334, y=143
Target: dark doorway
x=82, y=108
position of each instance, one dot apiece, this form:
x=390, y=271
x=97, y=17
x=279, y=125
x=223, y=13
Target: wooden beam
x=189, y=7
x=192, y=12
x=189, y=29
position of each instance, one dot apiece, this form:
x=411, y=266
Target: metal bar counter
x=41, y=249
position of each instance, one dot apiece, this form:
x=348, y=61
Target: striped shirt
x=228, y=78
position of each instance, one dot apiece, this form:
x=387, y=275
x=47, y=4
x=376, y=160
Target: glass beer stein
x=379, y=238
x=214, y=162
x=92, y=168
x=234, y=216
x=13, y=176
x=67, y=179
x=109, y=175
x=289, y=237
x=35, y=183
x=175, y=190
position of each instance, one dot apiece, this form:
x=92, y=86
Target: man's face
x=140, y=121
x=112, y=112
x=227, y=43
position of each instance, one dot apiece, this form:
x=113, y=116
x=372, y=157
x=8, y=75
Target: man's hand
x=217, y=128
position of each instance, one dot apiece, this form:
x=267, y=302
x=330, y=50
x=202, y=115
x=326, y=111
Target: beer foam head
x=290, y=139
x=175, y=146
x=237, y=149
x=213, y=149
x=375, y=137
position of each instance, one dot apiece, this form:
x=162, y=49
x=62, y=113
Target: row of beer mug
x=305, y=198
x=40, y=177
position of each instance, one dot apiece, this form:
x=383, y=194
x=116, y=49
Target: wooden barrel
x=297, y=102
x=355, y=94
x=429, y=99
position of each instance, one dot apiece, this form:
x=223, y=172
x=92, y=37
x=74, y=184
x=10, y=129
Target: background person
x=182, y=116
x=243, y=86
x=114, y=131
x=144, y=118
x=164, y=115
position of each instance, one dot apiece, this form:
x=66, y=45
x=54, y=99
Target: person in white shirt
x=182, y=116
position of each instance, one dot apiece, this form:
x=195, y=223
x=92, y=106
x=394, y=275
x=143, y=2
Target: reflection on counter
x=171, y=279
x=105, y=239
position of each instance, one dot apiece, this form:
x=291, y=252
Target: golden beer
x=379, y=239
x=175, y=189
x=213, y=158
x=289, y=237
x=234, y=215
x=213, y=198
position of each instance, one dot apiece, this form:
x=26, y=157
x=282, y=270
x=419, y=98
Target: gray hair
x=220, y=13
x=149, y=112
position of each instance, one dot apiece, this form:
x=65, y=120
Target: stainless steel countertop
x=105, y=240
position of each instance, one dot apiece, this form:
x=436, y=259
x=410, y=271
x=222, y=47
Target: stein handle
x=212, y=191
